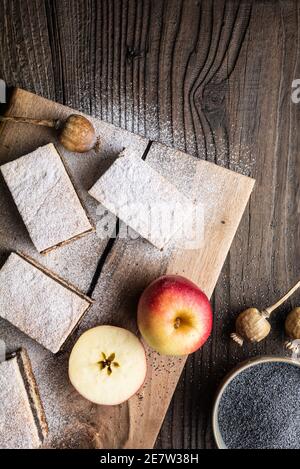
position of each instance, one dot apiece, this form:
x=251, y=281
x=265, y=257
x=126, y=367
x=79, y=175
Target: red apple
x=174, y=316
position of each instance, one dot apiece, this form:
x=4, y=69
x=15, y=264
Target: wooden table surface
x=213, y=78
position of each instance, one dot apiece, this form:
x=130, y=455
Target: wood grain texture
x=210, y=77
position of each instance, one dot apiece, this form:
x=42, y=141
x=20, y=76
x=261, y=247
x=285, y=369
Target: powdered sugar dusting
x=46, y=198
x=214, y=148
x=17, y=426
x=142, y=198
x=37, y=304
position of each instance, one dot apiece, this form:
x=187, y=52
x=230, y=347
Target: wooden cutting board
x=115, y=272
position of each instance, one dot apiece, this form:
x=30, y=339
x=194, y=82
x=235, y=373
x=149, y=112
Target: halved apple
x=107, y=365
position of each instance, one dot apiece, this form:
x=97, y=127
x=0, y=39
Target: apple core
x=108, y=363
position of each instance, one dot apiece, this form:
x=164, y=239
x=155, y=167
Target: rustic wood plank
x=157, y=49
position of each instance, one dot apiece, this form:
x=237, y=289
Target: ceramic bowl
x=235, y=372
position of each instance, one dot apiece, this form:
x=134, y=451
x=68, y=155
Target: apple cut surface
x=107, y=365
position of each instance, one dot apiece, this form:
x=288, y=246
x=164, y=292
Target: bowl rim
x=227, y=380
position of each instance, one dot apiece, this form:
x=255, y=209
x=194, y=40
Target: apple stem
x=177, y=323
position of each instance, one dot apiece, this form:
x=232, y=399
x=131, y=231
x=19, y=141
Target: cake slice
x=146, y=201
x=39, y=303
x=23, y=422
x=46, y=199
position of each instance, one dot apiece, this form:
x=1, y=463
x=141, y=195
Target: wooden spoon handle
x=53, y=123
x=267, y=312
